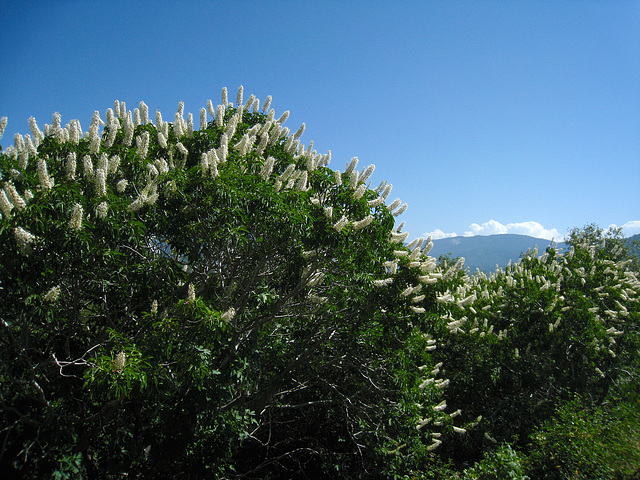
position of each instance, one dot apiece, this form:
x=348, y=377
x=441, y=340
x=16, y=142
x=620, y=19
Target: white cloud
x=493, y=227
x=488, y=228
x=630, y=228
x=531, y=228
x=437, y=234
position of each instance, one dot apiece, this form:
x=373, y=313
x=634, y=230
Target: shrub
x=502, y=463
x=203, y=302
x=528, y=338
x=581, y=442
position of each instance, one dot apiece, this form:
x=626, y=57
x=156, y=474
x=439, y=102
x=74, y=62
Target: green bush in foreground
x=587, y=443
x=502, y=463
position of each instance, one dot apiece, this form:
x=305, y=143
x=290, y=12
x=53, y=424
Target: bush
x=211, y=302
x=581, y=442
x=499, y=464
x=519, y=343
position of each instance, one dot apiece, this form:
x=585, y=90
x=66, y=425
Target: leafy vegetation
x=581, y=441
x=219, y=303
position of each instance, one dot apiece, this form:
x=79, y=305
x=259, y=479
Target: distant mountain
x=488, y=251
x=633, y=244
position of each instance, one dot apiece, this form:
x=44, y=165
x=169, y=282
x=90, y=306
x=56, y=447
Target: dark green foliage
x=502, y=463
x=582, y=442
x=204, y=319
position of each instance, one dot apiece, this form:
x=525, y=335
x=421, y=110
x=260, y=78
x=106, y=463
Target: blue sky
x=486, y=116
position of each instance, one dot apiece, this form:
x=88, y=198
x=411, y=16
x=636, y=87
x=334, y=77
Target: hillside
x=633, y=244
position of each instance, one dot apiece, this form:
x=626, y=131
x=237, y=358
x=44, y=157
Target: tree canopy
x=220, y=303
x=205, y=300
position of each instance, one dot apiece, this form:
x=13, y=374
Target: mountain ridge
x=486, y=252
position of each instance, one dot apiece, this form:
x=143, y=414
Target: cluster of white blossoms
x=480, y=299
x=103, y=168
x=415, y=255
x=434, y=415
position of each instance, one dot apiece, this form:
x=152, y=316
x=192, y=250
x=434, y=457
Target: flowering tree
x=523, y=341
x=207, y=301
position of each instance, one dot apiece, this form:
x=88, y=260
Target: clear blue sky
x=486, y=116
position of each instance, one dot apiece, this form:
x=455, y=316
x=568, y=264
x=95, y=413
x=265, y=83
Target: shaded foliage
x=203, y=301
